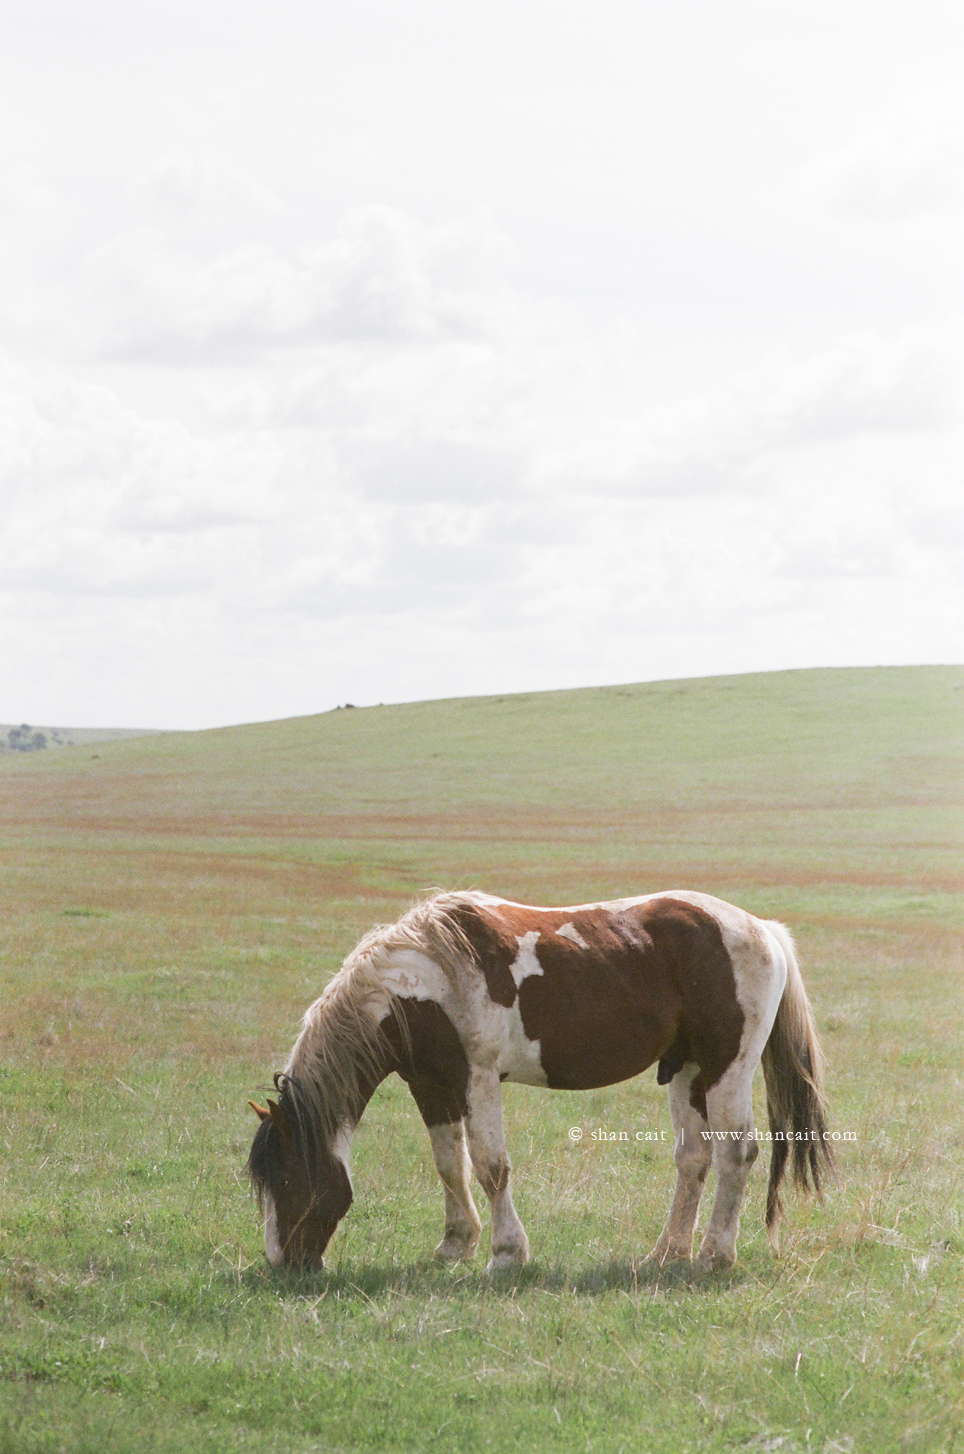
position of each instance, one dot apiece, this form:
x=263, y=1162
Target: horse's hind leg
x=462, y=1225
x=510, y=1245
x=692, y=1156
x=761, y=971
x=729, y=1106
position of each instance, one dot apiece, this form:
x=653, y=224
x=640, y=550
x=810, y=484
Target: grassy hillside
x=806, y=777
x=830, y=738
x=169, y=906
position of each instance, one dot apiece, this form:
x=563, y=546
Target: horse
x=468, y=990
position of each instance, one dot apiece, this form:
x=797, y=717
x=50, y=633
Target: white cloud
x=865, y=384
x=384, y=279
x=204, y=199
x=439, y=469
x=906, y=163
x=99, y=500
x=708, y=510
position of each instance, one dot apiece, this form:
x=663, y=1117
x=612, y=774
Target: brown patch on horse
x=428, y=1054
x=599, y=1013
x=260, y=1111
x=690, y=944
x=672, y=1062
x=698, y=1095
x=494, y=1178
x=495, y=948
x=649, y=982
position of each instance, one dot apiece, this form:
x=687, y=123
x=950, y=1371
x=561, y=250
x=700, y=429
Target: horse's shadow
x=635, y=1278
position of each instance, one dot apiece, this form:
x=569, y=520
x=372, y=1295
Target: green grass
x=172, y=904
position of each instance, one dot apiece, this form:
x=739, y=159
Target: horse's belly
x=579, y=1056
x=588, y=1065
x=589, y=1038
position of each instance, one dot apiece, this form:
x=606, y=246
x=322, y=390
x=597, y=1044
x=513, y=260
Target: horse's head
x=301, y=1184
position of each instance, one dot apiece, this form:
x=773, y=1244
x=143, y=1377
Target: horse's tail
x=793, y=1067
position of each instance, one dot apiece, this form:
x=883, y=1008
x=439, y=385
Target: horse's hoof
x=512, y=1259
x=453, y=1249
x=674, y=1252
x=715, y=1261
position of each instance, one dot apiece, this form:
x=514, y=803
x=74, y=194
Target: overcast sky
x=373, y=352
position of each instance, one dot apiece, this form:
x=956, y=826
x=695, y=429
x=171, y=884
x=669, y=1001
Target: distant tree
x=25, y=739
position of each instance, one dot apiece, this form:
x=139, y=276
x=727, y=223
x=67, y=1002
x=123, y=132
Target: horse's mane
x=339, y=1052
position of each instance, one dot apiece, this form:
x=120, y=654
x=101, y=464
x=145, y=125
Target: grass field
x=172, y=903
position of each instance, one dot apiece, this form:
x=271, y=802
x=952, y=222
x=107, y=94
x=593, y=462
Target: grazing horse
x=467, y=991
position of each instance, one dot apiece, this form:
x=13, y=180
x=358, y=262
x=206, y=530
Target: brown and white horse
x=467, y=991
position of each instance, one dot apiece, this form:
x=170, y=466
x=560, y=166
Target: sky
x=382, y=352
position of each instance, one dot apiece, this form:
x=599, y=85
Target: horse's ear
x=260, y=1111
x=280, y=1120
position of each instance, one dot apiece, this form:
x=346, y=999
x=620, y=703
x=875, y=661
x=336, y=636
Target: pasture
x=171, y=904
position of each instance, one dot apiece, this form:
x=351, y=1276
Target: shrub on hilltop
x=23, y=739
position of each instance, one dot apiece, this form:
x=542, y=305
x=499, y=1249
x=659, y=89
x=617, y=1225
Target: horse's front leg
x=462, y=1225
x=447, y=1135
x=486, y=1134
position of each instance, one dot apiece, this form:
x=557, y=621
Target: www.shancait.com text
x=602, y=1134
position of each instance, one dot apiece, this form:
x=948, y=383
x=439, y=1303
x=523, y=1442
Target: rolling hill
x=830, y=774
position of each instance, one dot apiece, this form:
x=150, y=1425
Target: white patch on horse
x=519, y=1058
x=759, y=974
x=569, y=931
x=527, y=961
x=272, y=1242
x=341, y=1148
x=413, y=976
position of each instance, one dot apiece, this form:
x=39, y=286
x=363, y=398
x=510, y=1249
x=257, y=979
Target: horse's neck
x=367, y=1082
x=342, y=1092
x=340, y=1140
